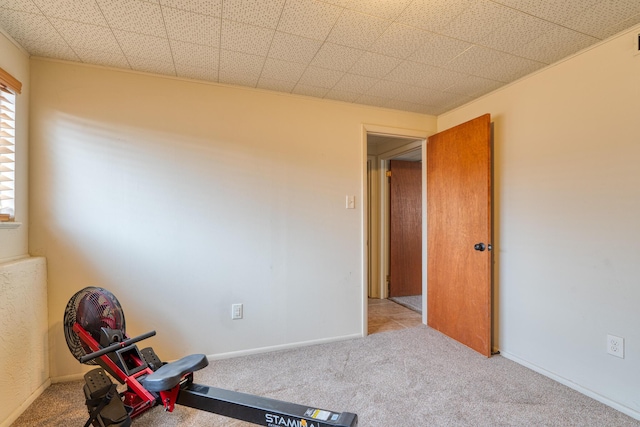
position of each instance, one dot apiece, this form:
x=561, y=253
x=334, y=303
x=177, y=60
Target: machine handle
x=116, y=346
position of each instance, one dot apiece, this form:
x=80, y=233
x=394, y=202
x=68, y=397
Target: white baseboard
x=592, y=394
x=20, y=409
x=280, y=347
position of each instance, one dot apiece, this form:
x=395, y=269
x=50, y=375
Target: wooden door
x=405, y=231
x=459, y=276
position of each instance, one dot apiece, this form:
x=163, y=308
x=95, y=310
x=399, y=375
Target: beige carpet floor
x=413, y=377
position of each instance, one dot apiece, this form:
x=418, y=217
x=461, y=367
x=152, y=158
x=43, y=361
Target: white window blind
x=8, y=88
x=7, y=152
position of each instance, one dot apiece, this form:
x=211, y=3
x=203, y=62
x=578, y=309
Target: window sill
x=10, y=225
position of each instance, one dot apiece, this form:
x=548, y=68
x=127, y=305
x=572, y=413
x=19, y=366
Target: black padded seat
x=169, y=375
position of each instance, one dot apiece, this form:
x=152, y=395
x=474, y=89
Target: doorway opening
x=386, y=151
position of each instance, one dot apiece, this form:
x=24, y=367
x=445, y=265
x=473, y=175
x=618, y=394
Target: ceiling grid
x=424, y=56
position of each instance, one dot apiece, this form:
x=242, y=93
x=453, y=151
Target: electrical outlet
x=615, y=346
x=236, y=311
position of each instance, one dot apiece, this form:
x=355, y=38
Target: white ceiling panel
x=277, y=69
x=194, y=55
x=357, y=30
x=381, y=8
x=317, y=92
x=433, y=15
x=263, y=13
x=374, y=65
x=320, y=77
x=29, y=26
x=344, y=96
x=293, y=48
x=309, y=18
x=439, y=50
x=400, y=41
x=134, y=15
x=246, y=38
x=20, y=6
x=336, y=57
x=86, y=36
x=191, y=27
x=149, y=65
x=144, y=46
x=100, y=57
x=423, y=56
x=86, y=11
x=204, y=7
x=353, y=83
x=197, y=73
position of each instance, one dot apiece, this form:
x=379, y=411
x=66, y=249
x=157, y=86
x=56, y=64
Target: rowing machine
x=94, y=326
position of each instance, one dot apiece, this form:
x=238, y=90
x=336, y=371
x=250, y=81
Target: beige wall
x=183, y=198
x=567, y=155
x=14, y=241
x=24, y=367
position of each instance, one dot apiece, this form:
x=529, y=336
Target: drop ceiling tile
x=353, y=83
x=240, y=68
x=28, y=26
x=336, y=57
x=276, y=69
x=152, y=66
x=603, y=18
x=341, y=3
x=554, y=11
x=194, y=55
x=191, y=27
x=374, y=65
x=197, y=73
x=309, y=18
x=127, y=15
x=474, y=86
x=381, y=8
x=375, y=101
x=554, y=45
x=398, y=104
x=263, y=13
x=423, y=75
x=204, y=7
x=388, y=89
x=357, y=30
x=276, y=85
x=48, y=49
x=144, y=46
x=340, y=95
x=432, y=15
x=400, y=41
x=316, y=92
x=86, y=11
x=320, y=77
x=229, y=78
x=20, y=6
x=439, y=50
x=100, y=57
x=518, y=31
x=245, y=38
x=476, y=60
x=623, y=25
x=86, y=36
x=293, y=48
x=475, y=22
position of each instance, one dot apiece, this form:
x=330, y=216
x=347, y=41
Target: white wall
x=567, y=155
x=24, y=357
x=183, y=198
x=14, y=241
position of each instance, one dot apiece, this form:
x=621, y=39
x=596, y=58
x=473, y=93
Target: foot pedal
x=151, y=358
x=103, y=401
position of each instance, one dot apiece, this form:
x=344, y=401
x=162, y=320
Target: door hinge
x=388, y=174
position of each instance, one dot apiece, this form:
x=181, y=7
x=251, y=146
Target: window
x=9, y=87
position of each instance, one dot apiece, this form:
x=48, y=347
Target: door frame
x=379, y=231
